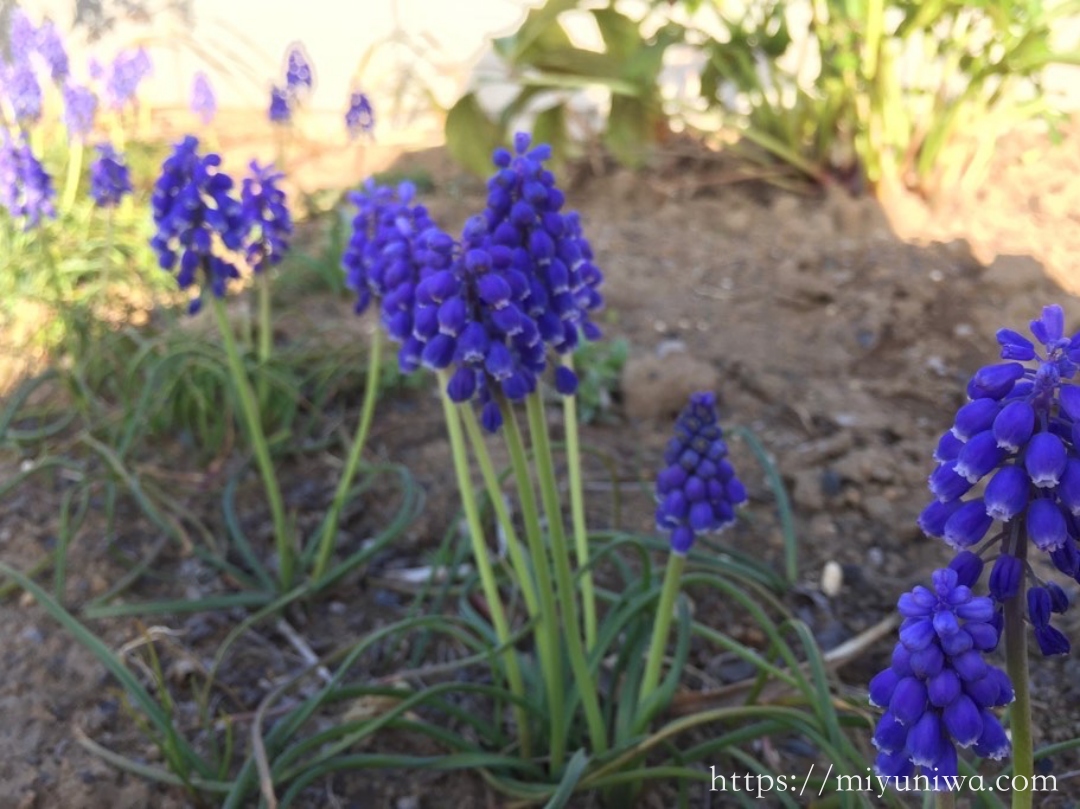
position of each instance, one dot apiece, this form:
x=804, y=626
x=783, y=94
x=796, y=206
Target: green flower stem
x=577, y=513
x=1016, y=663
x=266, y=333
x=282, y=536
x=74, y=171
x=367, y=410
x=524, y=574
x=662, y=625
x=483, y=563
x=550, y=651
x=564, y=579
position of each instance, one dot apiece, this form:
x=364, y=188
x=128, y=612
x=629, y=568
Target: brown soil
x=843, y=345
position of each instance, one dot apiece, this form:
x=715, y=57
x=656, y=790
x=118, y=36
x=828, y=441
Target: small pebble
x=832, y=579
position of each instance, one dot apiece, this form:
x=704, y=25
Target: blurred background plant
x=862, y=91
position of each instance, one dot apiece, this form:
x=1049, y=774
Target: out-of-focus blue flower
x=203, y=102
x=299, y=78
x=697, y=491
x=1021, y=430
x=50, y=47
x=124, y=75
x=360, y=117
x=80, y=104
x=938, y=691
x=193, y=209
x=267, y=216
x=23, y=92
x=22, y=37
x=280, y=106
x=110, y=179
x=25, y=187
x=524, y=214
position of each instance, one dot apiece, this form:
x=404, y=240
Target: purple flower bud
x=984, y=635
x=1038, y=600
x=882, y=687
x=1051, y=641
x=462, y=385
x=928, y=661
x=1005, y=577
x=943, y=688
x=948, y=447
x=1069, y=396
x=491, y=417
x=995, y=381
x=1045, y=459
x=889, y=735
x=926, y=740
x=946, y=485
x=1014, y=425
x=933, y=518
x=917, y=634
x=682, y=538
x=963, y=720
x=974, y=418
x=1046, y=525
x=1068, y=490
x=970, y=665
x=566, y=381
x=979, y=456
x=1059, y=599
x=1007, y=493
x=1015, y=346
x=908, y=701
x=968, y=567
x=439, y=351
x=1050, y=327
x=968, y=525
x=993, y=743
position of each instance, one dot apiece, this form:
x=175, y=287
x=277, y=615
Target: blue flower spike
x=938, y=691
x=697, y=491
x=193, y=210
x=1018, y=435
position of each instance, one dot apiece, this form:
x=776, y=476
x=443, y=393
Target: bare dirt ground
x=843, y=345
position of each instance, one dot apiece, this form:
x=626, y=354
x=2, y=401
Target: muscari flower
x=22, y=36
x=697, y=491
x=266, y=212
x=110, y=179
x=50, y=47
x=23, y=92
x=25, y=187
x=125, y=74
x=203, y=102
x=193, y=209
x=299, y=79
x=384, y=259
x=1021, y=430
x=524, y=214
x=360, y=117
x=80, y=104
x=938, y=691
x=280, y=111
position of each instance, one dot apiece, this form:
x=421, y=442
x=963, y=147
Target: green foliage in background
x=870, y=90
x=545, y=65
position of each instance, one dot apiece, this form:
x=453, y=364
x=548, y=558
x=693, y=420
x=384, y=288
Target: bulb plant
x=1016, y=440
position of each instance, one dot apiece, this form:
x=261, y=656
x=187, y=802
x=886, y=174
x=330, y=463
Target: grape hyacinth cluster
x=383, y=259
x=203, y=102
x=360, y=116
x=298, y=84
x=110, y=179
x=193, y=209
x=35, y=52
x=267, y=215
x=938, y=691
x=80, y=105
x=1020, y=432
x=524, y=214
x=697, y=491
x=25, y=187
x=124, y=75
